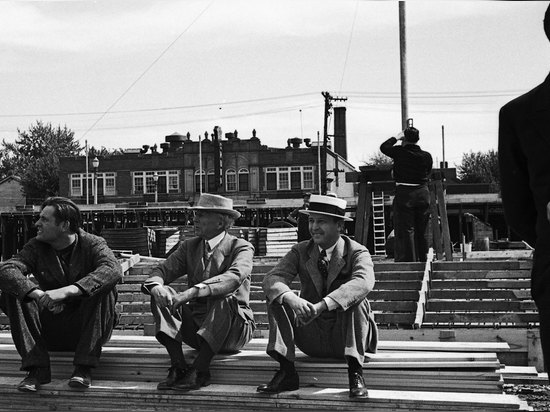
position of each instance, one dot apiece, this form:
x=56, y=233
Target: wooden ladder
x=379, y=223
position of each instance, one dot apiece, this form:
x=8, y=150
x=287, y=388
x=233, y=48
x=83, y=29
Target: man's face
x=207, y=224
x=324, y=230
x=48, y=230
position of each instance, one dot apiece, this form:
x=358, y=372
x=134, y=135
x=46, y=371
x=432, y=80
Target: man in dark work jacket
x=524, y=152
x=411, y=206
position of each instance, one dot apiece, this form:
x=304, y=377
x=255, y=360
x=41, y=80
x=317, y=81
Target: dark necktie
x=322, y=265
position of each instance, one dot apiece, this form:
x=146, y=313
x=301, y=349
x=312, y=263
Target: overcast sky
x=128, y=73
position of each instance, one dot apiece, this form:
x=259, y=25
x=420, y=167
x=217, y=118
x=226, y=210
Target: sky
x=124, y=73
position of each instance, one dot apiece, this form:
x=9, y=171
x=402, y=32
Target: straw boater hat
x=215, y=203
x=327, y=205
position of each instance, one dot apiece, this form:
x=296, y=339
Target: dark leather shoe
x=35, y=377
x=192, y=379
x=81, y=377
x=281, y=382
x=175, y=374
x=357, y=388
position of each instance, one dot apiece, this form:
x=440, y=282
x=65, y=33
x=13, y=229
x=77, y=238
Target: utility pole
x=328, y=106
x=403, y=59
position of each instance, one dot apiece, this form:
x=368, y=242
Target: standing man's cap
x=327, y=205
x=216, y=203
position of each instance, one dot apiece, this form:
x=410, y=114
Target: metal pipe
x=403, y=66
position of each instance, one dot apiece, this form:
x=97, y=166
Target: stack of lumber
x=402, y=375
x=280, y=240
x=396, y=293
x=481, y=293
x=166, y=241
x=136, y=240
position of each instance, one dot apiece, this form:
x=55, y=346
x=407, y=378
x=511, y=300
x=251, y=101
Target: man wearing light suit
x=332, y=317
x=524, y=154
x=213, y=315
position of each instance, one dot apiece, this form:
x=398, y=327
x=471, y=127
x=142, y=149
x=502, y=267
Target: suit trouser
x=84, y=326
x=411, y=213
x=215, y=320
x=334, y=334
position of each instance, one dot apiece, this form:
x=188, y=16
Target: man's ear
x=65, y=225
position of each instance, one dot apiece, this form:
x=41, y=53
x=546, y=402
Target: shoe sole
x=189, y=388
x=78, y=383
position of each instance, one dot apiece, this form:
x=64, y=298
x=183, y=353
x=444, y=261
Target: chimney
x=340, y=138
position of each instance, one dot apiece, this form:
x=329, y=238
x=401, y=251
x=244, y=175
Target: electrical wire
x=349, y=43
x=147, y=69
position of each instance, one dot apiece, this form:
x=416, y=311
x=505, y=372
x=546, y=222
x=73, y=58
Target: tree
x=378, y=159
x=480, y=167
x=104, y=152
x=34, y=156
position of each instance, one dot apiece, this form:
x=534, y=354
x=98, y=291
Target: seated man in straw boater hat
x=332, y=317
x=213, y=315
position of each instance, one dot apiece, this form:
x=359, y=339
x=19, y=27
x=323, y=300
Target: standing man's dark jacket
x=524, y=160
x=411, y=164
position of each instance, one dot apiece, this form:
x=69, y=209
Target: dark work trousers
x=335, y=334
x=214, y=319
x=540, y=282
x=83, y=327
x=411, y=214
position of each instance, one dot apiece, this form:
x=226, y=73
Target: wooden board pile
x=402, y=375
x=480, y=294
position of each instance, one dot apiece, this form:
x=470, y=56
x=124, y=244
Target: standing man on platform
x=411, y=205
x=524, y=153
x=301, y=220
x=213, y=315
x=332, y=317
x=59, y=294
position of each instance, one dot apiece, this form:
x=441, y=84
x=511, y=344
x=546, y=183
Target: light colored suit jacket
x=229, y=274
x=350, y=273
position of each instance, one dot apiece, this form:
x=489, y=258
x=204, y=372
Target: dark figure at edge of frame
x=524, y=153
x=332, y=317
x=59, y=294
x=411, y=205
x=213, y=315
x=300, y=220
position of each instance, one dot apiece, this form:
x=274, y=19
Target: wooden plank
x=423, y=293
x=447, y=246
x=399, y=275
x=482, y=317
x=479, y=305
x=480, y=294
x=478, y=265
x=481, y=274
x=131, y=395
x=500, y=254
x=435, y=224
x=481, y=284
x=397, y=285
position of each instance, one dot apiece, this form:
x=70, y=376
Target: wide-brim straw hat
x=216, y=203
x=327, y=205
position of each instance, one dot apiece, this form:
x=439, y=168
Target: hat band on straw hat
x=325, y=208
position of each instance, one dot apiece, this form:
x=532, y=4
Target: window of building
x=106, y=184
x=287, y=178
x=230, y=180
x=243, y=180
x=144, y=182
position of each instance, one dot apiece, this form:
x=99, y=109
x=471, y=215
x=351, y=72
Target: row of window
x=143, y=182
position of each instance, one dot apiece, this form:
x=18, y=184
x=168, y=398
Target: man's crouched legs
x=84, y=326
x=211, y=326
x=336, y=334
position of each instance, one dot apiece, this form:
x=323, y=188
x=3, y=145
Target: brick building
x=243, y=169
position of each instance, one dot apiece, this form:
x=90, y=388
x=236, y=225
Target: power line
x=349, y=43
x=156, y=109
x=147, y=69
